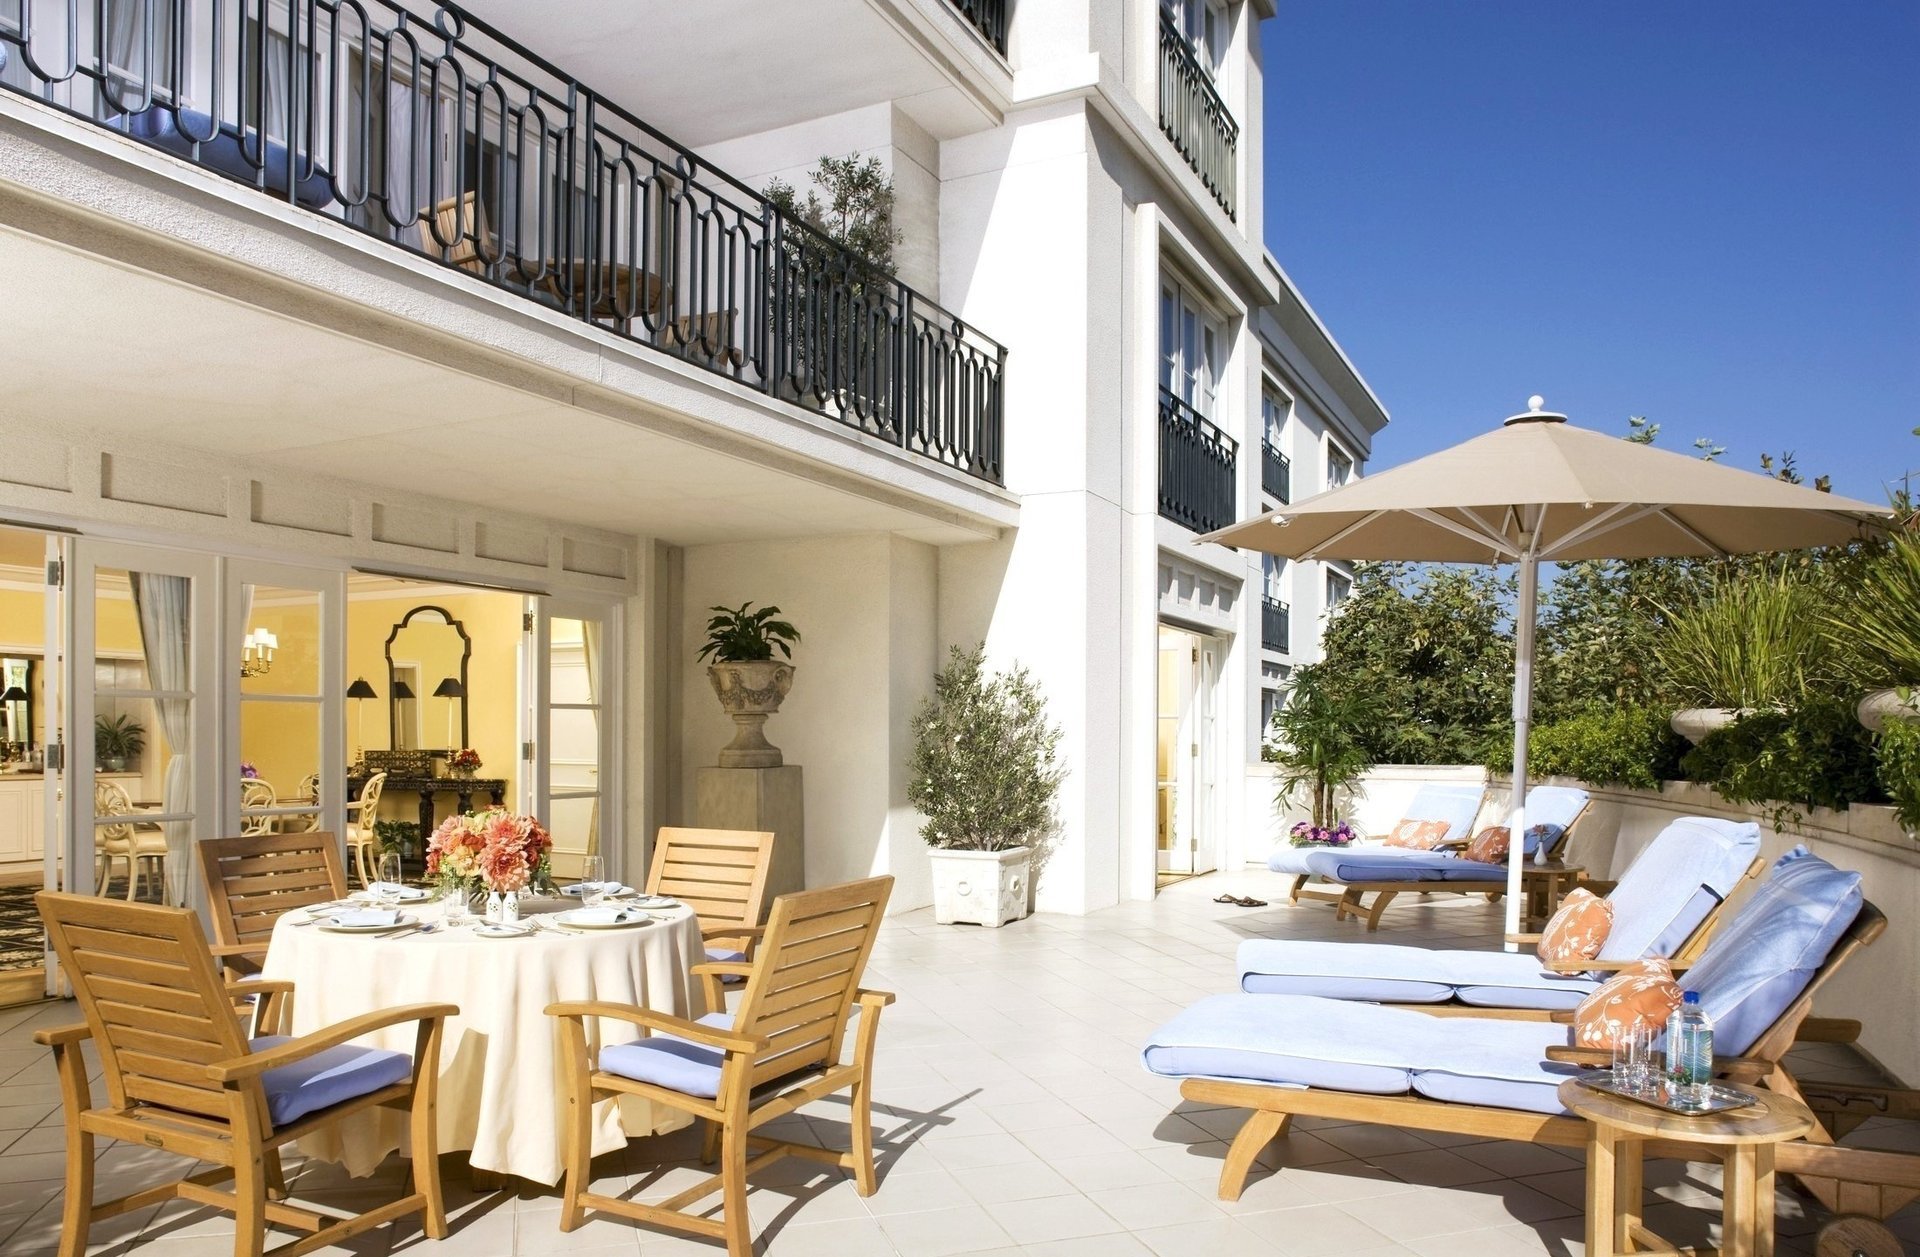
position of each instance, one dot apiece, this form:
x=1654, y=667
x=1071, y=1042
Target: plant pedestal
x=980, y=887
x=1695, y=723
x=761, y=799
x=1877, y=708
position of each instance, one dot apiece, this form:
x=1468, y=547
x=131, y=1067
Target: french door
x=571, y=686
x=1186, y=753
x=284, y=632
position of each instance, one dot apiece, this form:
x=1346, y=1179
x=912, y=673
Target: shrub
x=1758, y=640
x=1628, y=746
x=1816, y=755
x=1880, y=621
x=1897, y=763
x=983, y=767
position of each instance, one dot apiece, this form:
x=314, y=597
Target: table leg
x=1628, y=1192
x=1746, y=1218
x=426, y=815
x=465, y=798
x=1602, y=1181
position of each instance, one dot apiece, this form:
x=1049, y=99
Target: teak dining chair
x=782, y=1050
x=722, y=875
x=181, y=1075
x=252, y=880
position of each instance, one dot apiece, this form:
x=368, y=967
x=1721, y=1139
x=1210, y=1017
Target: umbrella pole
x=1523, y=625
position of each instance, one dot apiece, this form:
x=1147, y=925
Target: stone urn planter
x=980, y=887
x=749, y=692
x=1881, y=706
x=1695, y=723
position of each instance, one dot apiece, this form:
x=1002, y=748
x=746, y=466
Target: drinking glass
x=1633, y=1056
x=593, y=887
x=454, y=905
x=386, y=889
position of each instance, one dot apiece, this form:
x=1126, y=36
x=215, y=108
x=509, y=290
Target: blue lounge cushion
x=1761, y=961
x=224, y=149
x=327, y=1078
x=669, y=1061
x=1405, y=975
x=1457, y=805
x=1670, y=888
x=1301, y=1041
x=1374, y=864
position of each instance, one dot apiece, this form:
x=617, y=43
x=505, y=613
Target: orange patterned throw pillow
x=1644, y=994
x=1490, y=845
x=1578, y=931
x=1418, y=834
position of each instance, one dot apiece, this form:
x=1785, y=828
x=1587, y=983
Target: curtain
x=163, y=605
x=590, y=652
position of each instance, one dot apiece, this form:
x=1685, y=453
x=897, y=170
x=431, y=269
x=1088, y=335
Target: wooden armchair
x=781, y=1051
x=722, y=875
x=181, y=1075
x=251, y=881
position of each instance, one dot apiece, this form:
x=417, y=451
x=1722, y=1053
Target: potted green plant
x=749, y=681
x=1882, y=627
x=116, y=741
x=983, y=773
x=1756, y=642
x=1320, y=744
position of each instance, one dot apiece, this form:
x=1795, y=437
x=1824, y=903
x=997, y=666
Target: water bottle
x=1690, y=1052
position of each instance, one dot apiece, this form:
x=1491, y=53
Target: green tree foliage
x=1814, y=755
x=1898, y=768
x=1629, y=746
x=1433, y=646
x=857, y=210
x=983, y=766
x=1882, y=620
x=1322, y=738
x=1600, y=626
x=1758, y=639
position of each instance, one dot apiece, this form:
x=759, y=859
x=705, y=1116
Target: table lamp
x=14, y=694
x=357, y=691
x=450, y=689
x=402, y=692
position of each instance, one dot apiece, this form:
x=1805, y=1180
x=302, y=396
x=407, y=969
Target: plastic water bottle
x=1690, y=1051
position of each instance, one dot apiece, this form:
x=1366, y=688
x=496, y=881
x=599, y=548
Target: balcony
x=1196, y=467
x=433, y=132
x=1275, y=625
x=989, y=17
x=1276, y=473
x=1195, y=118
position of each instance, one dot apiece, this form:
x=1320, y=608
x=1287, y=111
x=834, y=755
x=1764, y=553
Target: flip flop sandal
x=1227, y=899
x=1245, y=902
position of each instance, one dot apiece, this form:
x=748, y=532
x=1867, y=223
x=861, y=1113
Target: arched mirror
x=427, y=655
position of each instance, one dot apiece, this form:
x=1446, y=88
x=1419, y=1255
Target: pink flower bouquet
x=496, y=848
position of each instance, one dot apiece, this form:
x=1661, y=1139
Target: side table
x=1543, y=886
x=1618, y=1128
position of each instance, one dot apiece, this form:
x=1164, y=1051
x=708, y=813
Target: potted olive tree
x=984, y=774
x=749, y=681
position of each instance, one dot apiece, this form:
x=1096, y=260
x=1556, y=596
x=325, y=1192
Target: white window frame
x=1346, y=578
x=1336, y=453
x=1193, y=346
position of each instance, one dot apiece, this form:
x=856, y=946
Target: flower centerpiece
x=463, y=762
x=496, y=849
x=1308, y=834
x=248, y=772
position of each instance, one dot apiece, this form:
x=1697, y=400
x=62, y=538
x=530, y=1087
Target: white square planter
x=980, y=887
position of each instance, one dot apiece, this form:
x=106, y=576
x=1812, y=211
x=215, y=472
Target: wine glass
x=386, y=889
x=593, y=886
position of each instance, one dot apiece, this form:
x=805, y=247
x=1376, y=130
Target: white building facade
x=484, y=299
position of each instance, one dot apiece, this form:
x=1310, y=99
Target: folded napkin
x=368, y=916
x=604, y=916
x=581, y=888
x=390, y=888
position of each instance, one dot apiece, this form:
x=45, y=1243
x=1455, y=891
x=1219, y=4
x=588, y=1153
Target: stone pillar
x=758, y=799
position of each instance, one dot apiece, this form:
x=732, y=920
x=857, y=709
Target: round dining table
x=502, y=1064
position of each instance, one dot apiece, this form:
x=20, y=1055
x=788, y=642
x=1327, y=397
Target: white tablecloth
x=502, y=1081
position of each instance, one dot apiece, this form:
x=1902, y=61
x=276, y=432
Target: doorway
x=1186, y=754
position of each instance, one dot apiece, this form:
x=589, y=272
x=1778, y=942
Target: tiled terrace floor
x=1014, y=1117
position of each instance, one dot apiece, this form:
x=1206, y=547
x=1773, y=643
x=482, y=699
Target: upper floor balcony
x=1276, y=630
x=428, y=129
x=989, y=17
x=1195, y=118
x=1197, y=464
x=1276, y=473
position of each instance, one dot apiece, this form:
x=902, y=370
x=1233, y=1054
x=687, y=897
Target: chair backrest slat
x=254, y=879
x=156, y=1006
x=720, y=873
x=806, y=972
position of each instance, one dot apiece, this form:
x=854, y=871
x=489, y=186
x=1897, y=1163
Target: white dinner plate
x=494, y=929
x=617, y=892
x=573, y=919
x=408, y=894
x=654, y=901
x=334, y=927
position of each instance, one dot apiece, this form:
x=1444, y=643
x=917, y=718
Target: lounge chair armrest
x=1828, y=1030
x=238, y=949
x=1742, y=1068
x=1561, y=1016
x=647, y=1019
x=1607, y=966
x=1595, y=1057
x=1524, y=940
x=732, y=931
x=62, y=1036
x=1598, y=885
x=1451, y=844
x=722, y=968
x=256, y=1063
x=873, y=999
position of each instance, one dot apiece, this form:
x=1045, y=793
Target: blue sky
x=1707, y=213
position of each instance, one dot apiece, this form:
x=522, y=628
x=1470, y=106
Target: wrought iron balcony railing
x=1275, y=625
x=1276, y=473
x=1195, y=118
x=423, y=126
x=989, y=17
x=1196, y=467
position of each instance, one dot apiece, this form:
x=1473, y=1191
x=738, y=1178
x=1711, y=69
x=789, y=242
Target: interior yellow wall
x=23, y=625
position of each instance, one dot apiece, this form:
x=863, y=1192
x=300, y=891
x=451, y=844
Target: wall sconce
x=256, y=653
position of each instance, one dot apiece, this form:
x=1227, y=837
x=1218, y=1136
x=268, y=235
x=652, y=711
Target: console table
x=462, y=788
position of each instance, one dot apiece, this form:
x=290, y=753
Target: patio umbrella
x=1537, y=490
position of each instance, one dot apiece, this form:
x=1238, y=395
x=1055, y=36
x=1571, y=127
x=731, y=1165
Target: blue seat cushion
x=1372, y=864
x=1759, y=963
x=1301, y=1041
x=1405, y=975
x=674, y=1063
x=223, y=149
x=327, y=1078
x=726, y=955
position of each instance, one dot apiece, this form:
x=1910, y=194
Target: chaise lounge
x=1666, y=904
x=1453, y=806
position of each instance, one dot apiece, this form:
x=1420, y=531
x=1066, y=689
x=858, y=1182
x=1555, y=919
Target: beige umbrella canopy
x=1541, y=490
